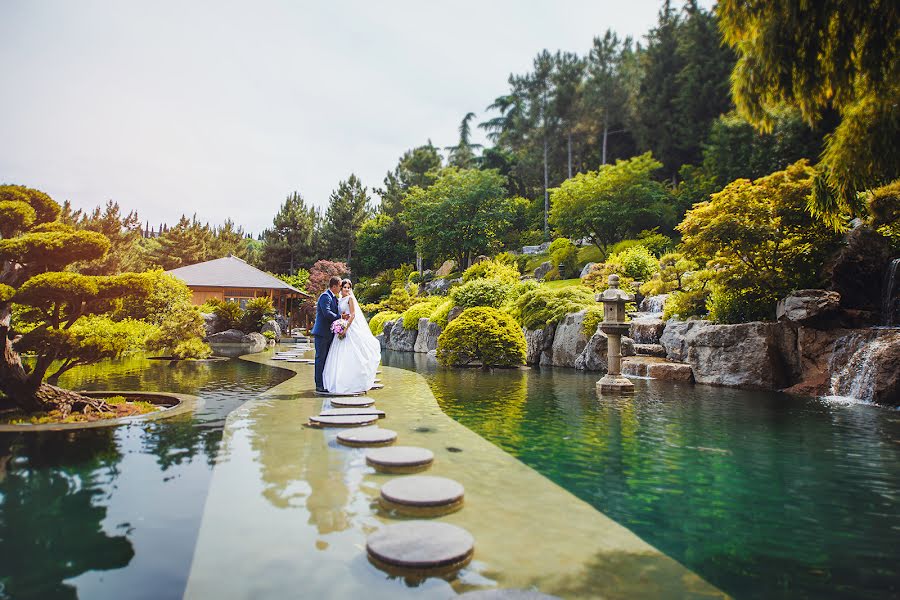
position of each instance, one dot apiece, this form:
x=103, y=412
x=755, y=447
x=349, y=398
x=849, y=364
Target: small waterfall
x=889, y=300
x=653, y=304
x=855, y=362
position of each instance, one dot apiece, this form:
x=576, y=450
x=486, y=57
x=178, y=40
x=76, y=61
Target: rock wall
x=399, y=339
x=427, y=339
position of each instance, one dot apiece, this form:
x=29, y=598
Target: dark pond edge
x=189, y=360
x=176, y=404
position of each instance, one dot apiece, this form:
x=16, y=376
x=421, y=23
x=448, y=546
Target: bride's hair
x=347, y=282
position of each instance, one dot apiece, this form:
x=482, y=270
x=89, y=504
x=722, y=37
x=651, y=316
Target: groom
x=326, y=314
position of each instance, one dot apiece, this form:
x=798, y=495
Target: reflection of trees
x=51, y=514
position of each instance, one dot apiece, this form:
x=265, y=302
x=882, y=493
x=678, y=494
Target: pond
x=763, y=494
x=113, y=512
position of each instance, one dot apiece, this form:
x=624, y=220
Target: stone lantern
x=614, y=326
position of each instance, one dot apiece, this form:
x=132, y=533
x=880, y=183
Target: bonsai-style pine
x=35, y=249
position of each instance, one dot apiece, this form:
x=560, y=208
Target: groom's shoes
x=321, y=390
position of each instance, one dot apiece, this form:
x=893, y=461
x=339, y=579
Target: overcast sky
x=224, y=108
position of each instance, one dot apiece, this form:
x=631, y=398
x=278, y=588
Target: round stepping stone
x=352, y=402
x=333, y=395
x=422, y=495
x=506, y=595
x=368, y=436
x=421, y=546
x=332, y=412
x=343, y=420
x=377, y=386
x=399, y=459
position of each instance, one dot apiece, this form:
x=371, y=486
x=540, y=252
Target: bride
x=352, y=360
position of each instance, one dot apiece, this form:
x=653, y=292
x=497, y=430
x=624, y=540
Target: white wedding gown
x=352, y=361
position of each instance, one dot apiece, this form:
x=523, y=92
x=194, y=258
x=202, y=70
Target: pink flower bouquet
x=340, y=327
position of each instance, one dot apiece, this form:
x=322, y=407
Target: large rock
x=675, y=338
x=746, y=355
x=436, y=287
x=537, y=342
x=804, y=305
x=229, y=336
x=568, y=342
x=594, y=356
x=542, y=270
x=809, y=359
x=866, y=365
x=272, y=326
x=381, y=340
x=668, y=371
x=234, y=342
x=586, y=269
x=445, y=269
x=428, y=336
x=212, y=324
x=399, y=338
x=646, y=329
x=857, y=271
x=454, y=312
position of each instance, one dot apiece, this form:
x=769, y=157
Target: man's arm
x=324, y=304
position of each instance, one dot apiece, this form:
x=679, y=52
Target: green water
x=763, y=494
x=114, y=512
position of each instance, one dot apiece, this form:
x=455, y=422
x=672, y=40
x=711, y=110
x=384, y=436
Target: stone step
x=422, y=495
x=653, y=367
x=400, y=459
x=650, y=350
x=367, y=436
x=352, y=410
x=342, y=420
x=358, y=402
x=426, y=547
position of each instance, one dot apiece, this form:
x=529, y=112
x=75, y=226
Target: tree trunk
x=546, y=195
x=570, y=155
x=605, y=134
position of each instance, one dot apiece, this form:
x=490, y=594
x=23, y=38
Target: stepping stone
x=377, y=386
x=352, y=402
x=506, y=595
x=342, y=420
x=333, y=412
x=368, y=436
x=422, y=495
x=333, y=395
x=400, y=459
x=421, y=546
x=377, y=381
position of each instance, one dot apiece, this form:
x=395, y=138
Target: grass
x=588, y=254
x=561, y=283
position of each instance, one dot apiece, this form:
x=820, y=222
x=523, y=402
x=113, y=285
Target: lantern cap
x=613, y=293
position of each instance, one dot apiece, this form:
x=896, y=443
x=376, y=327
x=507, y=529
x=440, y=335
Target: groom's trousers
x=323, y=344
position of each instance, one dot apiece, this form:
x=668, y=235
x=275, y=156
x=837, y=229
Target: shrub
x=727, y=305
x=597, y=278
x=884, y=211
x=492, y=269
x=256, y=314
x=674, y=269
x=521, y=287
x=269, y=335
x=376, y=323
x=592, y=319
x=541, y=307
x=165, y=291
x=193, y=348
x=684, y=304
x=422, y=310
x=229, y=314
x=480, y=292
x=441, y=314
x=654, y=241
x=482, y=334
x=637, y=263
x=563, y=252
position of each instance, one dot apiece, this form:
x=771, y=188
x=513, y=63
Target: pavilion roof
x=231, y=272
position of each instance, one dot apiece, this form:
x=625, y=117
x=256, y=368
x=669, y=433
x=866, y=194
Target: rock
x=568, y=342
x=866, y=365
x=454, y=312
x=746, y=355
x=399, y=338
x=542, y=270
x=536, y=249
x=283, y=324
x=480, y=258
x=272, y=326
x=229, y=336
x=586, y=269
x=804, y=305
x=668, y=371
x=809, y=358
x=653, y=304
x=234, y=342
x=674, y=338
x=445, y=269
x=212, y=324
x=646, y=329
x=538, y=341
x=638, y=366
x=436, y=287
x=428, y=336
x=650, y=350
x=857, y=271
x=380, y=338
x=595, y=353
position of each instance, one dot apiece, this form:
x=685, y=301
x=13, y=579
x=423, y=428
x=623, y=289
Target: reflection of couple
x=345, y=362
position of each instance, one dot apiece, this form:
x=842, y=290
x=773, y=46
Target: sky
x=221, y=109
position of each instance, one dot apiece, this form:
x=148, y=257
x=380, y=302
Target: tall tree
x=348, y=209
x=462, y=155
x=823, y=57
x=228, y=239
x=289, y=243
x=187, y=243
x=122, y=231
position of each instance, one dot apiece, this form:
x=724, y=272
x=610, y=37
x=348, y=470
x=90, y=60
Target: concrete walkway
x=289, y=510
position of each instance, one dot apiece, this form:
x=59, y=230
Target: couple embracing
x=347, y=354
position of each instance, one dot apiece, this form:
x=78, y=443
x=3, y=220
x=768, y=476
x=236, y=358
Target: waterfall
x=653, y=304
x=888, y=300
x=856, y=360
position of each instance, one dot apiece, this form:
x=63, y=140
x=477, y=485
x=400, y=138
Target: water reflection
x=765, y=495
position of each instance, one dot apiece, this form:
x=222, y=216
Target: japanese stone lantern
x=614, y=326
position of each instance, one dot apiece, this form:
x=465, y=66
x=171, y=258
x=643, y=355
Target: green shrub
x=620, y=247
x=480, y=292
x=376, y=323
x=441, y=314
x=638, y=263
x=728, y=305
x=563, y=252
x=884, y=211
x=684, y=304
x=269, y=335
x=256, y=314
x=592, y=319
x=181, y=323
x=657, y=243
x=482, y=334
x=193, y=348
x=541, y=307
x=228, y=313
x=422, y=310
x=673, y=272
x=492, y=269
x=597, y=278
x=521, y=287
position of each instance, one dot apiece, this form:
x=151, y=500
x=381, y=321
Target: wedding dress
x=353, y=360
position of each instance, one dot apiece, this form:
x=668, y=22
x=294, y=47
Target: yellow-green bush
x=422, y=310
x=480, y=292
x=592, y=319
x=597, y=278
x=193, y=348
x=484, y=335
x=442, y=313
x=542, y=306
x=376, y=323
x=492, y=269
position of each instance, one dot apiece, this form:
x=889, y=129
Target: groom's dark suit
x=326, y=314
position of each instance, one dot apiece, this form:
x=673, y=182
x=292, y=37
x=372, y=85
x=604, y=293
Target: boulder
x=428, y=336
x=272, y=326
x=650, y=350
x=675, y=337
x=454, y=312
x=568, y=342
x=594, y=355
x=229, y=336
x=212, y=324
x=747, y=355
x=445, y=269
x=234, y=342
x=586, y=269
x=646, y=329
x=668, y=371
x=436, y=287
x=283, y=324
x=809, y=358
x=399, y=338
x=542, y=270
x=866, y=365
x=639, y=366
x=538, y=341
x=380, y=338
x=857, y=271
x=804, y=305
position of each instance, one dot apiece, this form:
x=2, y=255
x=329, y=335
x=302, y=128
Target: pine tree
x=290, y=242
x=348, y=209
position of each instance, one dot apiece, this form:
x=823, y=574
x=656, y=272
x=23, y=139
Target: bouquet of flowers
x=340, y=327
